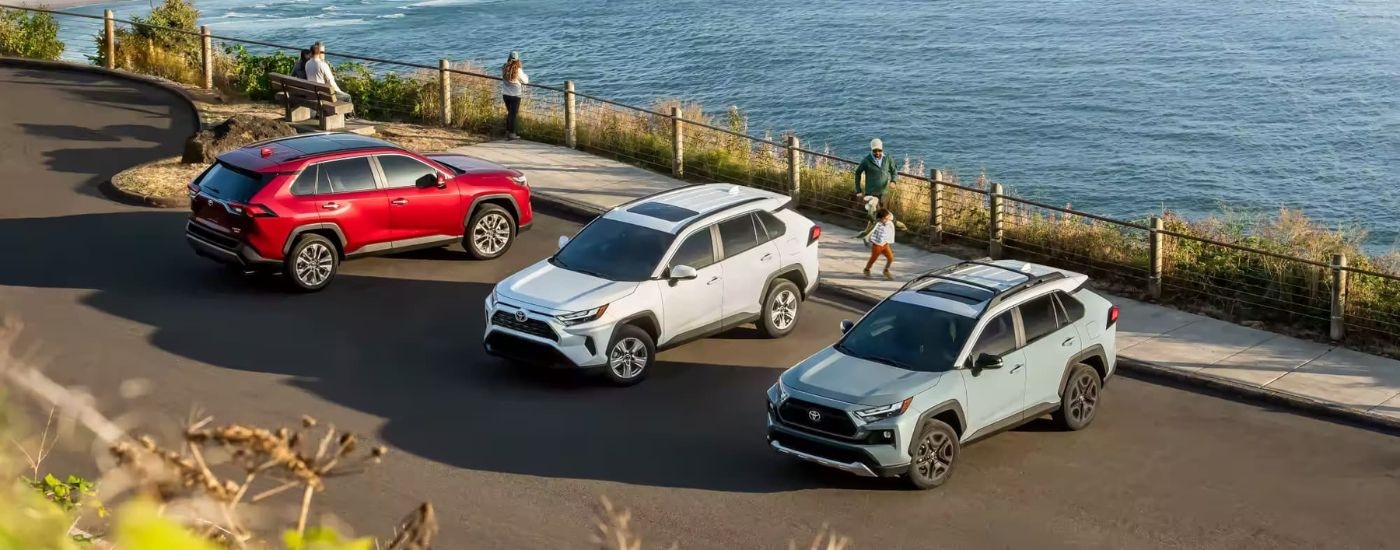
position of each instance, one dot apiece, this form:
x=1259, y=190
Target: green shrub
x=165, y=43
x=245, y=74
x=29, y=34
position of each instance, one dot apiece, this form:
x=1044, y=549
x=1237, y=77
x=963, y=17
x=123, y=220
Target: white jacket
x=513, y=88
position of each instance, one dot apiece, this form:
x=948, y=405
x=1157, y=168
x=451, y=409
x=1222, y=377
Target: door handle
x=1067, y=341
x=767, y=257
x=1017, y=367
x=330, y=206
x=399, y=202
x=712, y=281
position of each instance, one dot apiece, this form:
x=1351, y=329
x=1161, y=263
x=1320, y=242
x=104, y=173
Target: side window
x=1070, y=308
x=770, y=224
x=998, y=337
x=401, y=171
x=306, y=182
x=698, y=250
x=737, y=235
x=1038, y=317
x=345, y=176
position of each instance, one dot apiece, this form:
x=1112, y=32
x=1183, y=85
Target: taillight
x=253, y=211
x=814, y=233
x=1112, y=316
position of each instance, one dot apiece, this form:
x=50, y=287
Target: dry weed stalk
x=170, y=475
x=416, y=531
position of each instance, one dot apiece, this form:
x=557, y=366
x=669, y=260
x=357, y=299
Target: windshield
x=907, y=336
x=614, y=250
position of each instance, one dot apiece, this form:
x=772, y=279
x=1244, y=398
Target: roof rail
x=997, y=295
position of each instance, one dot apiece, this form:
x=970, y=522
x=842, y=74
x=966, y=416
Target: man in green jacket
x=879, y=172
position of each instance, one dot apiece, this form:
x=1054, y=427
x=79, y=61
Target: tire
x=780, y=309
x=629, y=343
x=490, y=232
x=934, y=452
x=312, y=263
x=1079, y=403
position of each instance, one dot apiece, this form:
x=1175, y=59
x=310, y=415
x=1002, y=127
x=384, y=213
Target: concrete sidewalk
x=1154, y=339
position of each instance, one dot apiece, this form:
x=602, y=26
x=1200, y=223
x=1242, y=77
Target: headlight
x=782, y=392
x=582, y=316
x=491, y=300
x=519, y=180
x=886, y=411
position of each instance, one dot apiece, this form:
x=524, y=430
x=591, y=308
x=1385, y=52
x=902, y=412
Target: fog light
x=887, y=434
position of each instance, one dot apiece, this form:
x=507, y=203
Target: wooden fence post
x=1339, y=296
x=206, y=56
x=570, y=116
x=677, y=143
x=995, y=221
x=1155, y=257
x=109, y=38
x=794, y=159
x=445, y=88
x=935, y=206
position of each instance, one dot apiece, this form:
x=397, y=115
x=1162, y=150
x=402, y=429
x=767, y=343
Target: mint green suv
x=956, y=355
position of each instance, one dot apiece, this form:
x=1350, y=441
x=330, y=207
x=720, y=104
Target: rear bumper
x=240, y=255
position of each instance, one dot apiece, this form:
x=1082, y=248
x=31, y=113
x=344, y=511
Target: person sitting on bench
x=319, y=71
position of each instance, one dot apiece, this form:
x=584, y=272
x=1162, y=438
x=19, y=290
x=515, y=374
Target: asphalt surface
x=513, y=459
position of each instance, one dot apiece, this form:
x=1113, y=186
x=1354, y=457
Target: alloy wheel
x=313, y=264
x=1084, y=397
x=627, y=358
x=491, y=233
x=934, y=457
x=784, y=311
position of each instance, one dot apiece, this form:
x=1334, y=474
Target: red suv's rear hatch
x=220, y=196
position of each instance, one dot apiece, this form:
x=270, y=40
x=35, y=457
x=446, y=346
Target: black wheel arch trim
x=1095, y=350
x=514, y=207
x=649, y=316
x=949, y=405
x=303, y=229
x=790, y=268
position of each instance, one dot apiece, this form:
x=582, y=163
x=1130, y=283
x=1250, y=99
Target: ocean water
x=1117, y=107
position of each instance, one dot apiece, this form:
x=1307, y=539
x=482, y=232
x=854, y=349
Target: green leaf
x=140, y=527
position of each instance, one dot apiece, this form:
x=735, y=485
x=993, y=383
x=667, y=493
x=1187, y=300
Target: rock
x=237, y=131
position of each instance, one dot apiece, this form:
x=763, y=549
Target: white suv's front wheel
x=630, y=356
x=780, y=307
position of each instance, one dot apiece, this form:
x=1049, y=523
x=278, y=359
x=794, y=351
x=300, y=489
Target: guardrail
x=1160, y=259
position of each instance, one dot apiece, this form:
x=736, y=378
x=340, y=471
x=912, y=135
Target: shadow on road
x=409, y=351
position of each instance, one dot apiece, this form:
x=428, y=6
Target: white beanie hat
x=876, y=144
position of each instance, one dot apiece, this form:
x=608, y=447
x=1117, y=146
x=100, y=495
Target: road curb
x=113, y=191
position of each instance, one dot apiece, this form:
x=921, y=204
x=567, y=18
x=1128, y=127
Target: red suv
x=304, y=203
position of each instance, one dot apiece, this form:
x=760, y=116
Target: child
x=880, y=239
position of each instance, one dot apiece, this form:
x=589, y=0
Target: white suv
x=655, y=273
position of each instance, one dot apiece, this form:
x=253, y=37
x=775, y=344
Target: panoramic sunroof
x=962, y=293
x=664, y=211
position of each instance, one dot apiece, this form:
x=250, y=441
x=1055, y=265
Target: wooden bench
x=304, y=99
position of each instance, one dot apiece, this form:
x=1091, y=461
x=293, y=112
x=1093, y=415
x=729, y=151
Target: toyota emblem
x=815, y=416
x=520, y=315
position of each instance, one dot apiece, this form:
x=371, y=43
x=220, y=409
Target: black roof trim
x=998, y=296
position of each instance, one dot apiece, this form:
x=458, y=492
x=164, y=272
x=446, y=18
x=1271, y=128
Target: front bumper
x=861, y=456
x=224, y=250
x=540, y=339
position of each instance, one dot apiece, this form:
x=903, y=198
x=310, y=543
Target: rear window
x=230, y=184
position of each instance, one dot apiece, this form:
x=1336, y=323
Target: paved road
x=514, y=460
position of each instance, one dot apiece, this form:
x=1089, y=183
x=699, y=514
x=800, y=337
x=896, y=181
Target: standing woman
x=512, y=80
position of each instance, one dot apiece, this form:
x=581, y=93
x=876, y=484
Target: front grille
x=529, y=351
x=823, y=450
x=833, y=421
x=212, y=236
x=533, y=327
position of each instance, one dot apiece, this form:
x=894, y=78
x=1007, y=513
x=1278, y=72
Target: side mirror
x=846, y=325
x=563, y=241
x=987, y=361
x=683, y=272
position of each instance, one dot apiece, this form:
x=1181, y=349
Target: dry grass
x=164, y=179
